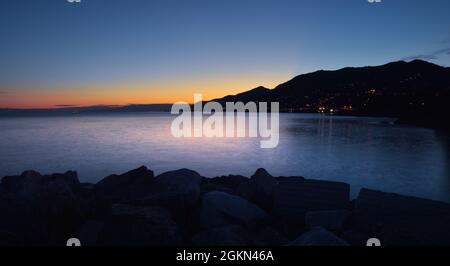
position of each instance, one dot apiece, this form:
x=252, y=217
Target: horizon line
x=68, y=106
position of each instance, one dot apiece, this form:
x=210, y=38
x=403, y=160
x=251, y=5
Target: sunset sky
x=55, y=53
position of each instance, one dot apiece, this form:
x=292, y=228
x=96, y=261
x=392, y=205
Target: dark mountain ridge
x=348, y=85
x=417, y=92
x=404, y=89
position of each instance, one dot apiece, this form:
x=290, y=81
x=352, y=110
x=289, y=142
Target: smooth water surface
x=365, y=152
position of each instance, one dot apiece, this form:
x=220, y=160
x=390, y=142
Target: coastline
x=183, y=208
x=432, y=121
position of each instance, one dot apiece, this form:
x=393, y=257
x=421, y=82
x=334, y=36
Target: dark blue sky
x=55, y=46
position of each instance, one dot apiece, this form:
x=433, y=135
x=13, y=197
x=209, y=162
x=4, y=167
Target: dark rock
x=42, y=209
x=270, y=237
x=18, y=219
x=230, y=235
x=87, y=186
x=139, y=226
x=318, y=236
x=259, y=189
x=294, y=197
x=354, y=237
x=208, y=186
x=89, y=233
x=400, y=220
x=220, y=209
x=183, y=182
x=30, y=183
x=230, y=182
x=8, y=239
x=264, y=182
x=179, y=191
x=130, y=185
x=330, y=220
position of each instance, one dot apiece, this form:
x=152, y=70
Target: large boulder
x=399, y=220
x=139, y=226
x=259, y=189
x=318, y=236
x=330, y=220
x=178, y=191
x=184, y=182
x=220, y=209
x=42, y=209
x=17, y=220
x=295, y=196
x=228, y=184
x=264, y=182
x=122, y=188
x=31, y=183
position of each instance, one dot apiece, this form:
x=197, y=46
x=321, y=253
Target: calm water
x=365, y=152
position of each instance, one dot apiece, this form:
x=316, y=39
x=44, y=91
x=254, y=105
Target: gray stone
x=219, y=209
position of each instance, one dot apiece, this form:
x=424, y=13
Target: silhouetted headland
x=183, y=208
x=416, y=92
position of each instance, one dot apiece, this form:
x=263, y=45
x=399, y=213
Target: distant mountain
x=87, y=110
x=358, y=88
x=418, y=92
x=394, y=89
x=257, y=94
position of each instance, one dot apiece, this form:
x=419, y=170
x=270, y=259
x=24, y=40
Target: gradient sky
x=142, y=51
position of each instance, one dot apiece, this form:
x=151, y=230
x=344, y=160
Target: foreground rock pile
x=183, y=208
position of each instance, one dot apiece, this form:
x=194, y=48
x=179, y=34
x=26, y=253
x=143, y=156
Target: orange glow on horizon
x=160, y=93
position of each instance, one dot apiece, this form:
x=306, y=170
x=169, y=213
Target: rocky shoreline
x=182, y=208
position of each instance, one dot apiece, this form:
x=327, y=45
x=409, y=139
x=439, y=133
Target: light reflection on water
x=361, y=151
